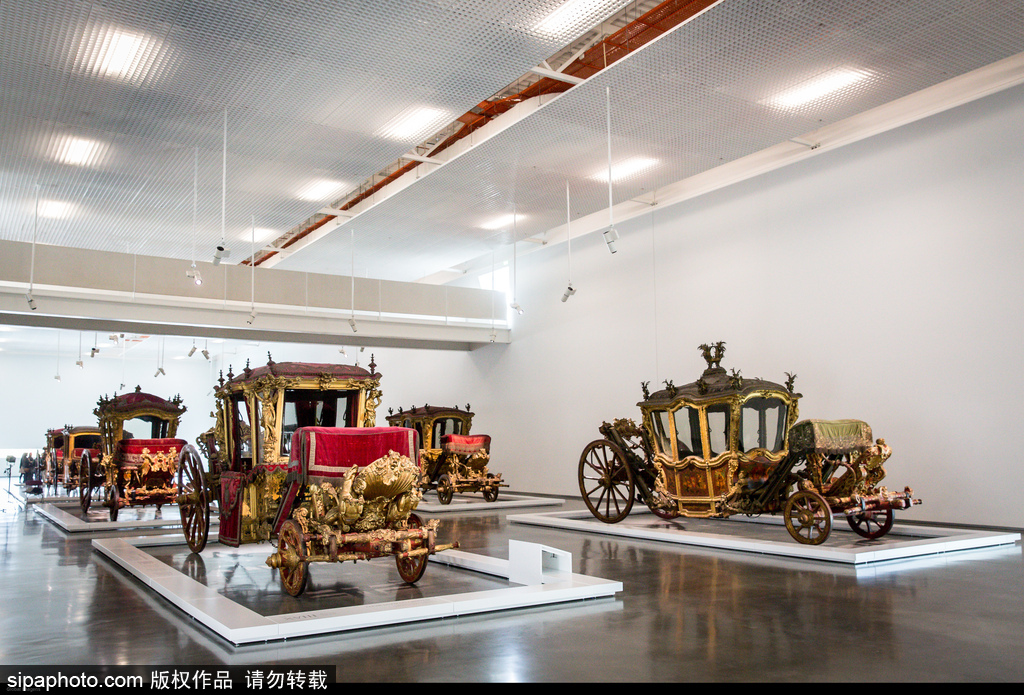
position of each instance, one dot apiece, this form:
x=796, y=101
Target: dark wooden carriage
x=133, y=471
x=727, y=444
x=452, y=460
x=294, y=456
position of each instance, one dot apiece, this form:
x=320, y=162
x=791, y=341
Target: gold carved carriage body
x=452, y=459
x=726, y=444
x=133, y=470
x=294, y=455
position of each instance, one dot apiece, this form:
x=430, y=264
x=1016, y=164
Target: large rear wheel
x=606, y=482
x=412, y=568
x=85, y=482
x=193, y=499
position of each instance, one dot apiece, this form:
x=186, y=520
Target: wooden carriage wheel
x=606, y=482
x=808, y=517
x=412, y=568
x=85, y=482
x=291, y=545
x=873, y=524
x=194, y=499
x=114, y=500
x=491, y=491
x=445, y=489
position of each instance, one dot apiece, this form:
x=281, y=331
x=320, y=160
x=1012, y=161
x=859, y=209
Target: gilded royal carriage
x=728, y=444
x=64, y=449
x=133, y=471
x=452, y=460
x=295, y=456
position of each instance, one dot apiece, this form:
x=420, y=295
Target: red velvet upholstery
x=465, y=444
x=325, y=454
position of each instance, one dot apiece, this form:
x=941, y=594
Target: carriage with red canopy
x=133, y=471
x=295, y=456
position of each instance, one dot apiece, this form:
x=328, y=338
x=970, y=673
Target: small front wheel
x=872, y=524
x=445, y=489
x=410, y=569
x=491, y=492
x=85, y=482
x=291, y=546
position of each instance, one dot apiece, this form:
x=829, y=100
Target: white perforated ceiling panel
x=309, y=87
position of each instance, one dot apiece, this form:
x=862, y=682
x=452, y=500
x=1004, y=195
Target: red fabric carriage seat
x=132, y=450
x=325, y=454
x=465, y=444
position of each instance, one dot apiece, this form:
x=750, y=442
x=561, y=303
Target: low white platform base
x=128, y=518
x=476, y=502
x=843, y=545
x=240, y=625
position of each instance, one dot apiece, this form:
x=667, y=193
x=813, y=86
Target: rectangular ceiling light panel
x=625, y=169
x=322, y=190
x=818, y=87
x=414, y=124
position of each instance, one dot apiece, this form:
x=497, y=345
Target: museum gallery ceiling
x=121, y=111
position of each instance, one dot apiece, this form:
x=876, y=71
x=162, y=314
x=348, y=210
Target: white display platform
x=842, y=546
x=128, y=518
x=240, y=625
x=476, y=502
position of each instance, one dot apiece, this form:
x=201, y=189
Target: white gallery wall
x=886, y=275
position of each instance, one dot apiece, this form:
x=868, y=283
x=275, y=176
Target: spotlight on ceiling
x=206, y=353
x=113, y=338
x=31, y=302
x=252, y=317
x=569, y=291
x=352, y=323
x=342, y=351
x=192, y=351
x=193, y=274
x=80, y=364
x=493, y=336
x=519, y=309
x=57, y=377
x=610, y=237
x=94, y=351
x=220, y=253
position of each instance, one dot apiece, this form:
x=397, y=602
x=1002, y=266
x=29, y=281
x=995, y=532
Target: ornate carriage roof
x=427, y=412
x=87, y=429
x=301, y=370
x=126, y=405
x=715, y=383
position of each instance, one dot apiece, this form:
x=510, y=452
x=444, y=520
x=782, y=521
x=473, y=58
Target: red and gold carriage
x=728, y=444
x=452, y=460
x=294, y=455
x=133, y=471
x=64, y=450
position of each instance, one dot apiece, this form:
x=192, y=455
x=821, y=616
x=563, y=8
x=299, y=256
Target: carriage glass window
x=314, y=408
x=241, y=429
x=718, y=429
x=662, y=431
x=687, y=433
x=144, y=427
x=87, y=441
x=763, y=424
x=445, y=425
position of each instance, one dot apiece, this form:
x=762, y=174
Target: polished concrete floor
x=684, y=614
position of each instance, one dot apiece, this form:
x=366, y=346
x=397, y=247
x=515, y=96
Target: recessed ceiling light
x=119, y=51
x=413, y=124
x=503, y=221
x=55, y=209
x=625, y=169
x=321, y=190
x=261, y=233
x=817, y=87
x=568, y=14
x=78, y=151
